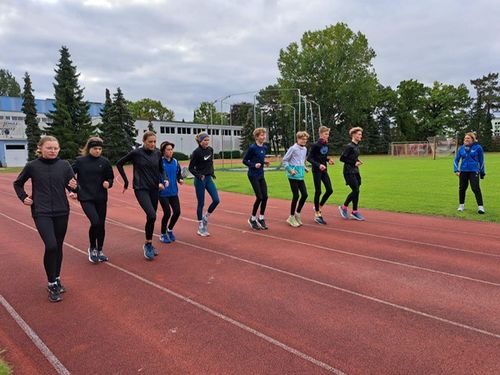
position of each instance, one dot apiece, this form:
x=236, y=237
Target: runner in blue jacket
x=470, y=170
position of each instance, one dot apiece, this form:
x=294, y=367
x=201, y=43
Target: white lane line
x=331, y=286
x=58, y=366
x=207, y=309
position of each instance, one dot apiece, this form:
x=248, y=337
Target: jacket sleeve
x=310, y=157
x=109, y=174
x=119, y=166
x=344, y=158
x=286, y=159
x=456, y=161
x=69, y=174
x=20, y=181
x=163, y=174
x=192, y=163
x=179, y=172
x=481, y=161
x=247, y=158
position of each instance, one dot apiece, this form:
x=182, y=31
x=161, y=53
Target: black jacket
x=318, y=154
x=91, y=173
x=148, y=168
x=202, y=163
x=49, y=180
x=349, y=157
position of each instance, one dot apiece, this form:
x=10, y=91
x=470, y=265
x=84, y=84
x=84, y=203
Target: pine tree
x=71, y=123
x=247, y=132
x=119, y=134
x=33, y=132
x=105, y=113
x=8, y=84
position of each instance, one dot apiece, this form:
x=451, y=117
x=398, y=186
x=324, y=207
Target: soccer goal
x=417, y=148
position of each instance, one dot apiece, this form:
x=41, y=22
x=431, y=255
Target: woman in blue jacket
x=470, y=170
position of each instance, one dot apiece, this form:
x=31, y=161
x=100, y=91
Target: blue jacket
x=173, y=172
x=255, y=154
x=472, y=159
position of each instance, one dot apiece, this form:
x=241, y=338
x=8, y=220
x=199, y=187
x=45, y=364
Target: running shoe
x=62, y=289
x=202, y=231
x=291, y=220
x=461, y=208
x=170, y=234
x=480, y=210
x=344, y=213
x=93, y=257
x=54, y=293
x=298, y=219
x=204, y=220
x=165, y=238
x=149, y=252
x=357, y=215
x=262, y=224
x=253, y=224
x=318, y=218
x=101, y=256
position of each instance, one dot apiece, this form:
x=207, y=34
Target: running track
x=397, y=294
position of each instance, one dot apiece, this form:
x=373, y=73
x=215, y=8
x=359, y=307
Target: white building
x=14, y=145
x=495, y=124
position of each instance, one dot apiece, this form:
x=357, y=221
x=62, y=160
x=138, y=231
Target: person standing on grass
x=95, y=176
x=255, y=160
x=169, y=197
x=147, y=162
x=50, y=178
x=350, y=158
x=294, y=164
x=201, y=167
x=471, y=169
x=318, y=157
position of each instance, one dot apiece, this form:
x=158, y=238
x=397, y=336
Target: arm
x=311, y=157
x=456, y=161
x=286, y=159
x=109, y=175
x=247, y=158
x=119, y=166
x=20, y=181
x=481, y=161
x=344, y=158
x=192, y=164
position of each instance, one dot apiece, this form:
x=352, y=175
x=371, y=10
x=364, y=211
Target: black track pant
x=260, y=189
x=148, y=200
x=464, y=178
x=354, y=182
x=166, y=203
x=296, y=186
x=318, y=178
x=96, y=213
x=52, y=230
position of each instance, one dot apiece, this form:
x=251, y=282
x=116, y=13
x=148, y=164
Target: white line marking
x=58, y=366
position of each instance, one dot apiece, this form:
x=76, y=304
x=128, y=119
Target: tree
x=33, y=132
x=8, y=84
x=119, y=134
x=150, y=110
x=332, y=66
x=105, y=113
x=71, y=123
x=408, y=110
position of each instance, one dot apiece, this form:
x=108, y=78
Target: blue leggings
x=201, y=185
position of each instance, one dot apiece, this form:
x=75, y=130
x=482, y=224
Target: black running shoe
x=93, y=258
x=54, y=293
x=101, y=256
x=62, y=289
x=253, y=224
x=262, y=224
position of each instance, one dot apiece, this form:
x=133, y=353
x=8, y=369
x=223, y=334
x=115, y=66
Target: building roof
x=14, y=104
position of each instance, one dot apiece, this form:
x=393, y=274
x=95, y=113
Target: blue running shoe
x=204, y=220
x=165, y=238
x=170, y=234
x=344, y=213
x=149, y=252
x=93, y=255
x=357, y=215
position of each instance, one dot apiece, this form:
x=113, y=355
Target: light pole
x=319, y=111
x=294, y=118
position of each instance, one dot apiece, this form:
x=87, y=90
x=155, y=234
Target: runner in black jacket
x=50, y=177
x=350, y=158
x=201, y=167
x=95, y=176
x=147, y=167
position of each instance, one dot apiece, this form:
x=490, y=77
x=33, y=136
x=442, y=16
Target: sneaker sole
x=355, y=218
x=202, y=234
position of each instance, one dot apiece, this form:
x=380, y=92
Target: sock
x=207, y=215
x=344, y=207
x=200, y=223
x=480, y=208
x=253, y=218
x=354, y=212
x=52, y=284
x=169, y=230
x=261, y=217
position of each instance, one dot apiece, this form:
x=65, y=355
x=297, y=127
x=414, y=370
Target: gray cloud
x=186, y=52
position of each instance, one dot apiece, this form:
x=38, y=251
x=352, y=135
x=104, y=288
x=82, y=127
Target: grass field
x=416, y=185
x=4, y=367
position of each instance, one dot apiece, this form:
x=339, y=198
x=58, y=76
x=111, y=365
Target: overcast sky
x=185, y=52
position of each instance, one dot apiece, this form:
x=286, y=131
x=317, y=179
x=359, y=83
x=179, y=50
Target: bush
x=235, y=154
x=180, y=156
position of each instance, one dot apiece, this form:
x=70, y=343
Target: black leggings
x=296, y=186
x=148, y=200
x=96, y=213
x=354, y=182
x=260, y=188
x=52, y=230
x=166, y=203
x=464, y=178
x=318, y=178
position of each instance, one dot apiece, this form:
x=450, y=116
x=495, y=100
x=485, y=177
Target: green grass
x=416, y=185
x=11, y=169
x=4, y=367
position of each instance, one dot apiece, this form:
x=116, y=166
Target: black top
x=91, y=173
x=49, y=180
x=147, y=168
x=349, y=157
x=202, y=163
x=318, y=154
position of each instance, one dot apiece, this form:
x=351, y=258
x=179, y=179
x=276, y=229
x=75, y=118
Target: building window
x=15, y=147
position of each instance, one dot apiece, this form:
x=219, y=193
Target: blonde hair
x=323, y=129
x=302, y=134
x=355, y=130
x=91, y=142
x=472, y=135
x=42, y=141
x=148, y=134
x=258, y=132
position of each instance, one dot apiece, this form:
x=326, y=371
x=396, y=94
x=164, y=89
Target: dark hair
x=148, y=134
x=164, y=146
x=91, y=142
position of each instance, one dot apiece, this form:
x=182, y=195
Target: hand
x=28, y=201
x=322, y=167
x=481, y=175
x=457, y=173
x=202, y=177
x=72, y=183
x=258, y=165
x=266, y=163
x=166, y=183
x=161, y=186
x=293, y=172
x=105, y=184
x=331, y=162
x=306, y=169
x=72, y=195
x=181, y=181
x=358, y=163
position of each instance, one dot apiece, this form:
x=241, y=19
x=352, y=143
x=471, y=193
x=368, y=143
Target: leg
x=60, y=228
x=254, y=181
x=90, y=210
x=303, y=195
x=295, y=195
x=474, y=184
x=462, y=187
x=199, y=186
x=353, y=196
x=45, y=227
x=148, y=200
x=102, y=209
x=325, y=178
x=263, y=189
x=212, y=191
x=176, y=211
x=164, y=202
x=317, y=189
